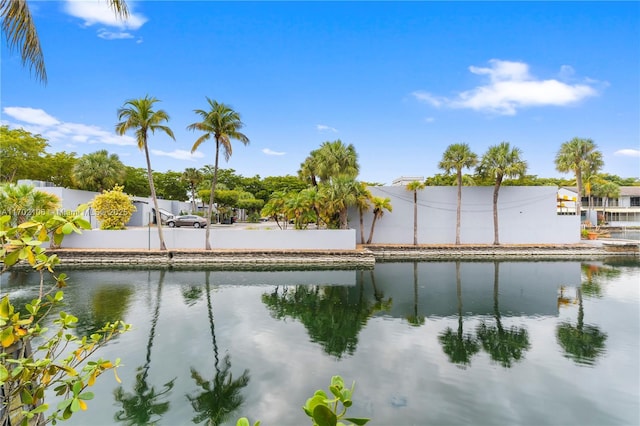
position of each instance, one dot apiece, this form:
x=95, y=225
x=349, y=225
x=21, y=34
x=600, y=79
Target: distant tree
x=170, y=185
x=57, y=168
x=606, y=189
x=414, y=187
x=136, y=181
x=139, y=115
x=20, y=32
x=222, y=124
x=499, y=162
x=276, y=208
x=338, y=195
x=20, y=153
x=579, y=156
x=440, y=180
x=98, y=171
x=457, y=157
x=380, y=204
x=192, y=177
x=282, y=183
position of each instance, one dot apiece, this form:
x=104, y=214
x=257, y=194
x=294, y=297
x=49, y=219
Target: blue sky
x=399, y=80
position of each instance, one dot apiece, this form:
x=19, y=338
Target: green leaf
x=323, y=416
x=11, y=258
x=68, y=228
x=4, y=374
x=6, y=309
x=40, y=409
x=243, y=422
x=26, y=397
x=358, y=421
x=75, y=405
x=86, y=396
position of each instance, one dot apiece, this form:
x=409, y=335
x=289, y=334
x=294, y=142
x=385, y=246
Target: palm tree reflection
x=221, y=396
x=460, y=347
x=414, y=319
x=504, y=346
x=144, y=406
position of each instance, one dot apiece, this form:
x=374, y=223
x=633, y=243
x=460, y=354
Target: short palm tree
x=21, y=34
x=499, y=162
x=457, y=157
x=139, y=115
x=339, y=194
x=380, y=204
x=579, y=156
x=22, y=202
x=414, y=187
x=223, y=124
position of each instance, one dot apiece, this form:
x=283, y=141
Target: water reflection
x=219, y=398
x=467, y=337
x=460, y=347
x=504, y=345
x=145, y=405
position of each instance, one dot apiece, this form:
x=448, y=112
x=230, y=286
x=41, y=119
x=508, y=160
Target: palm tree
x=460, y=347
x=337, y=159
x=193, y=177
x=223, y=124
x=380, y=204
x=414, y=319
x=98, y=171
x=457, y=157
x=414, y=187
x=21, y=34
x=499, y=162
x=606, y=189
x=340, y=194
x=138, y=115
x=22, y=202
x=580, y=156
x=363, y=202
x=276, y=208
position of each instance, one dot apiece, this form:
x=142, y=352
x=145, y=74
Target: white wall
x=187, y=238
x=526, y=215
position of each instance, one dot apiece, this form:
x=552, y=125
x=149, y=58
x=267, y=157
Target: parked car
x=187, y=220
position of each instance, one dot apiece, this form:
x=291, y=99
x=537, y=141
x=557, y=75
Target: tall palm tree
x=337, y=159
x=414, y=186
x=139, y=115
x=380, y=204
x=457, y=157
x=223, y=124
x=499, y=162
x=579, y=156
x=193, y=177
x=98, y=171
x=21, y=34
x=606, y=190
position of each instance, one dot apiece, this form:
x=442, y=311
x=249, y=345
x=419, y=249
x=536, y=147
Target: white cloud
x=429, y=119
x=38, y=121
x=270, y=152
x=628, y=152
x=325, y=128
x=110, y=35
x=512, y=87
x=31, y=116
x=179, y=154
x=98, y=12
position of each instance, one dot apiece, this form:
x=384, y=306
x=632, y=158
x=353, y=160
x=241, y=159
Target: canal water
x=427, y=343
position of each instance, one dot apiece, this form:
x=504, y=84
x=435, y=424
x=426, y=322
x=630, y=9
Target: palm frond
x=20, y=32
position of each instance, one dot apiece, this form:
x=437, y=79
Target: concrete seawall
x=362, y=257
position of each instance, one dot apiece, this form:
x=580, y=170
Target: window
x=635, y=201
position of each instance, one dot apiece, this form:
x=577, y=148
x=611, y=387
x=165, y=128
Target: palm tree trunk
x=361, y=226
x=579, y=197
x=496, y=190
x=415, y=217
x=459, y=179
x=152, y=187
x=373, y=224
x=214, y=181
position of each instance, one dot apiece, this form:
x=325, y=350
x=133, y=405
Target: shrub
x=113, y=208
